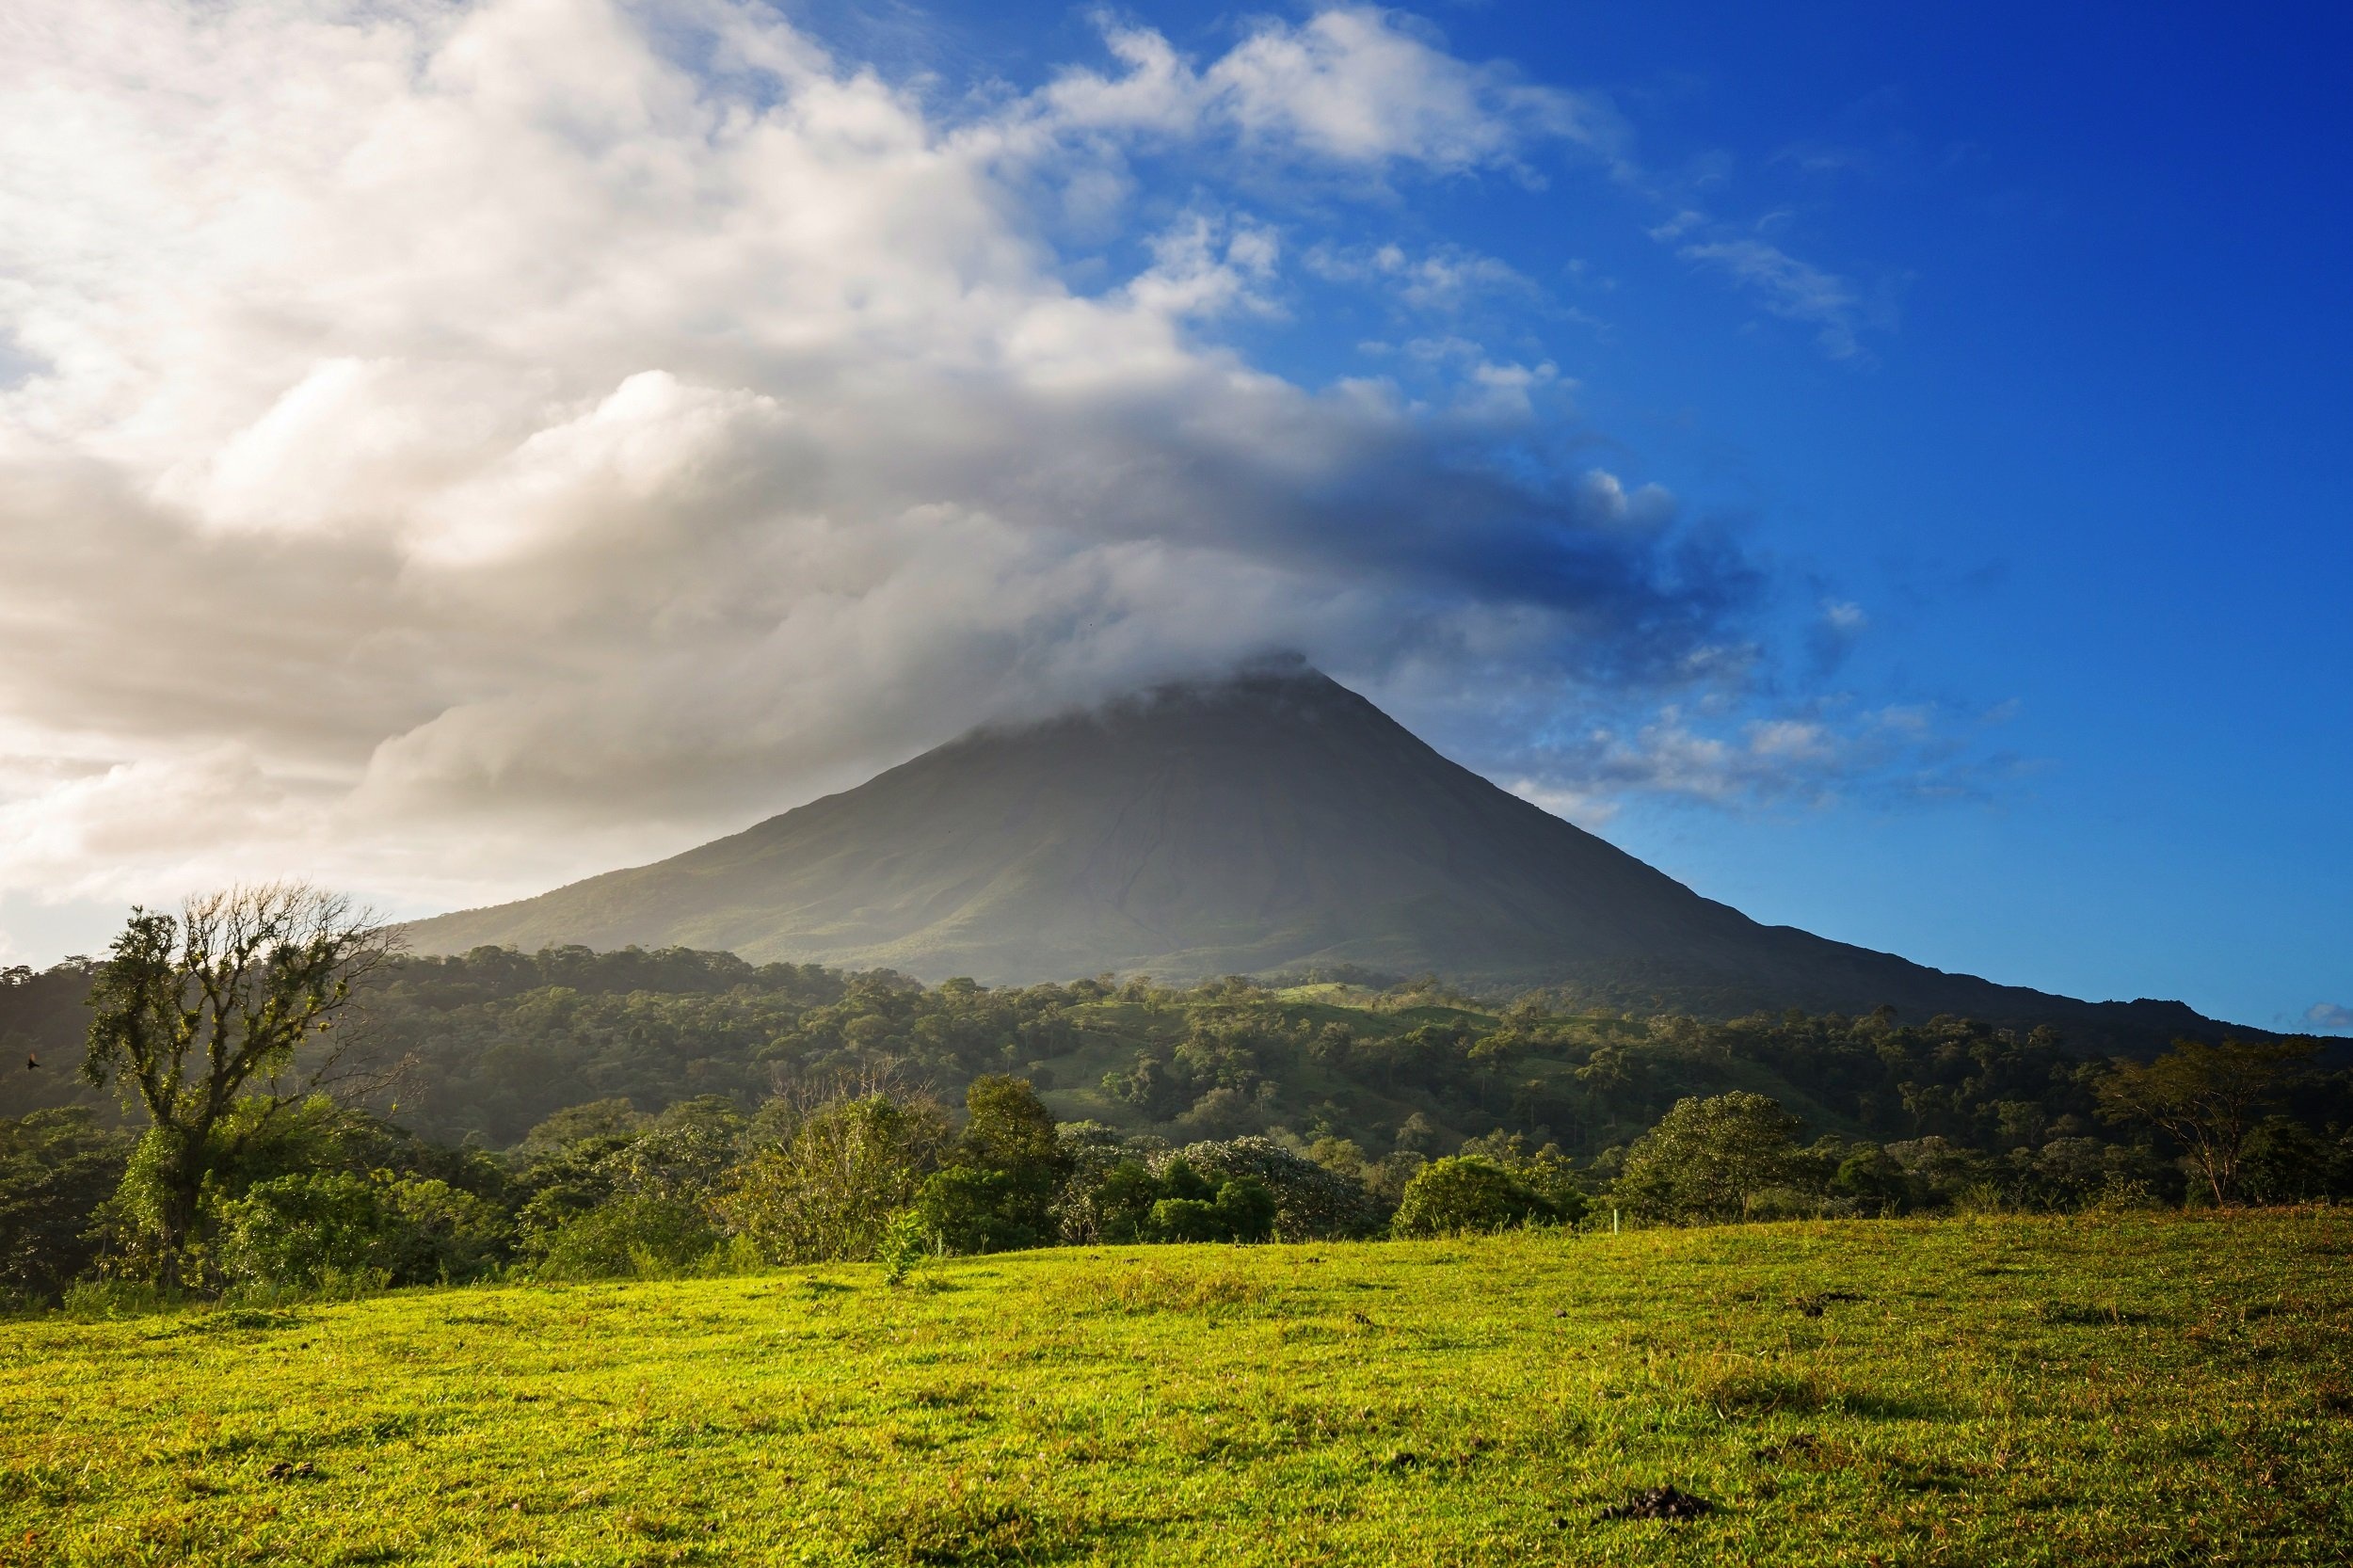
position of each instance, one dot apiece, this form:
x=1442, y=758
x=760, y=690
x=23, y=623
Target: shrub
x=1180, y=1204
x=635, y=1234
x=439, y=1232
x=905, y=1243
x=1124, y=1199
x=1095, y=1152
x=1938, y=1173
x=1870, y=1178
x=1468, y=1192
x=325, y=1229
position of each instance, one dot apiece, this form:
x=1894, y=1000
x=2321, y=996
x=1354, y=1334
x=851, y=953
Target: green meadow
x=2142, y=1388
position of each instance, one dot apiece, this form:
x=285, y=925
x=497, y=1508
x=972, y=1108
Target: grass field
x=2144, y=1389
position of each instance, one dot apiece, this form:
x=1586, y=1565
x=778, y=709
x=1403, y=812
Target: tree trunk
x=179, y=1201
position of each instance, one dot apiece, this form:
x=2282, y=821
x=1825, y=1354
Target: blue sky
x=1886, y=469
x=2088, y=469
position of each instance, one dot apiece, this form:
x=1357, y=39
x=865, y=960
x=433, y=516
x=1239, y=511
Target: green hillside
x=2107, y=1389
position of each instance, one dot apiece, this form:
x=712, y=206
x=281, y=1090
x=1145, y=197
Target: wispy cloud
x=2330, y=1018
x=1443, y=279
x=1791, y=289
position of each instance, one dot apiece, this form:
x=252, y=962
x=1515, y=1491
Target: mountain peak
x=1267, y=821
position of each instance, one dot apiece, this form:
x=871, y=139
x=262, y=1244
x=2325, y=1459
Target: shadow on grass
x=1751, y=1394
x=968, y=1529
x=2091, y=1315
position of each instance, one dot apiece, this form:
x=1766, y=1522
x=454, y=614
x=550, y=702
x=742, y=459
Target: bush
x=641, y=1235
x=1938, y=1173
x=330, y=1229
x=1468, y=1192
x=301, y=1230
x=1094, y=1151
x=1123, y=1201
x=440, y=1232
x=1242, y=1211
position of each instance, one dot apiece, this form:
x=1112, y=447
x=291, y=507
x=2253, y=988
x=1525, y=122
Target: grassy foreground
x=2145, y=1389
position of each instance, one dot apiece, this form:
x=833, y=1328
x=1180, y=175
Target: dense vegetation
x=574, y=1115
x=2137, y=1389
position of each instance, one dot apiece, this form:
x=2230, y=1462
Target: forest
x=572, y=1113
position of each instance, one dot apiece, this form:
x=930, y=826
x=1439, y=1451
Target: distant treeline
x=570, y=1112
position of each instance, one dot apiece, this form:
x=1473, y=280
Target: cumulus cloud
x=444, y=449
x=2328, y=1017
x=1352, y=86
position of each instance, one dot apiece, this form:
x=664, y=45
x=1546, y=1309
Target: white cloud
x=450, y=448
x=1443, y=279
x=1792, y=288
x=1350, y=86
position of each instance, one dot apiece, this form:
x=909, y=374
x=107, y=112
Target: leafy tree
x=197, y=1012
x=1199, y=1206
x=1468, y=1192
x=1123, y=1200
x=1095, y=1151
x=2282, y=1161
x=967, y=1210
x=1008, y=1128
x=2205, y=1097
x=334, y=1228
x=1312, y=1203
x=615, y=1194
x=615, y=1119
x=1178, y=1203
x=1870, y=1178
x=1709, y=1158
x=1009, y=1167
x=835, y=1174
x=1546, y=1171
x=1938, y=1173
x=56, y=1167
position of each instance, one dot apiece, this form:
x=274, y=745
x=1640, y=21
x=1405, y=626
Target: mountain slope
x=1273, y=821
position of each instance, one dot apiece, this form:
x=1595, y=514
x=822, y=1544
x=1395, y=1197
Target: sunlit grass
x=2145, y=1389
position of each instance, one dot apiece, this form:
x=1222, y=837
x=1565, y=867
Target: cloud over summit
x=445, y=448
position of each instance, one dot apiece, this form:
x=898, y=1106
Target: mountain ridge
x=1275, y=822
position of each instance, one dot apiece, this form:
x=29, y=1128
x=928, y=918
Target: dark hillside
x=1276, y=823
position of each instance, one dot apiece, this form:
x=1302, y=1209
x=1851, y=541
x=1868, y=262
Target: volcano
x=1272, y=823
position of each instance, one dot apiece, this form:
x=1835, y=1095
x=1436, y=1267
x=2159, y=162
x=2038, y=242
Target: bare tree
x=199, y=1011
